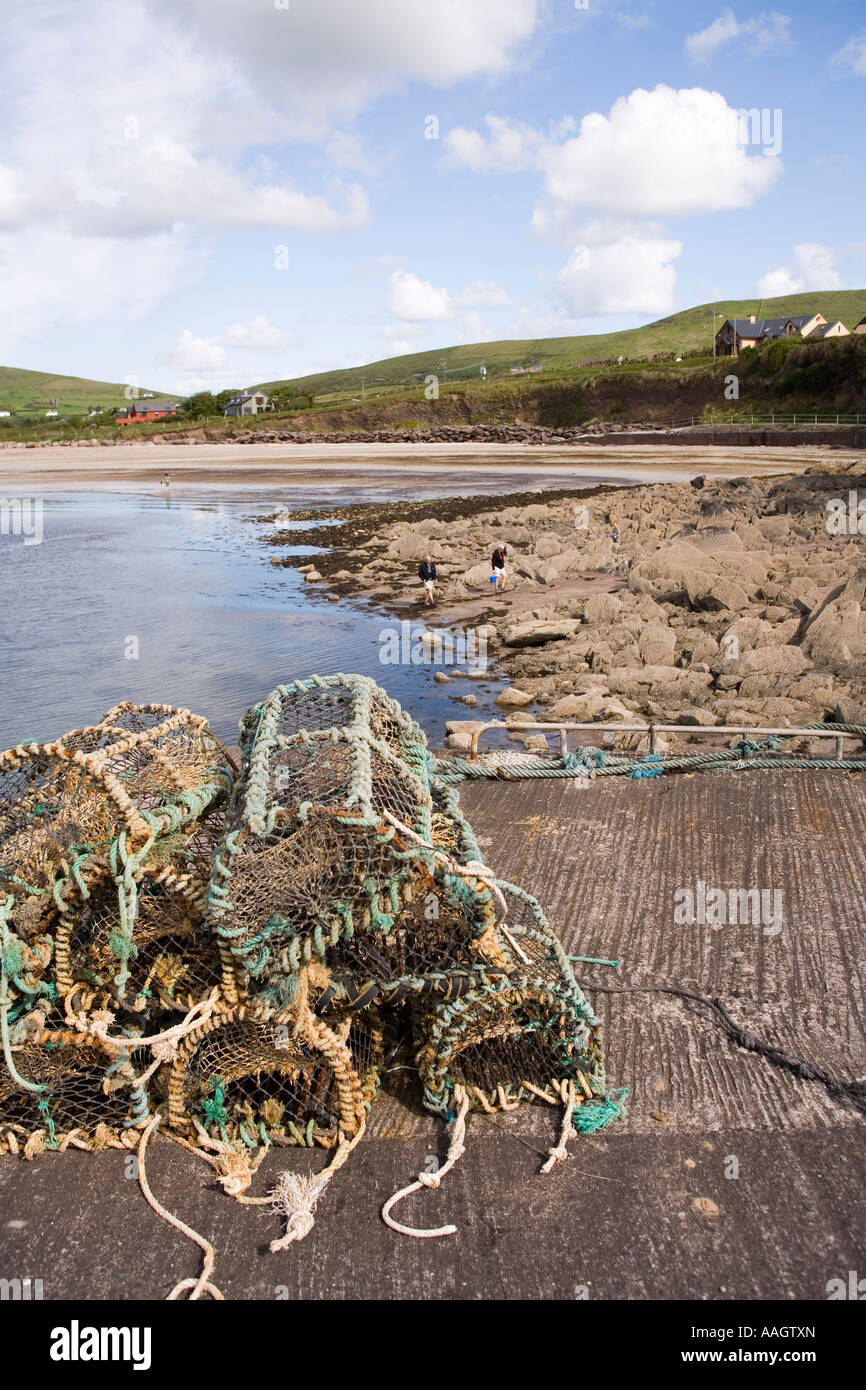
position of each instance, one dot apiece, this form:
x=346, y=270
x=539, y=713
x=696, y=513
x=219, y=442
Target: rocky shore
x=684, y=435
x=741, y=601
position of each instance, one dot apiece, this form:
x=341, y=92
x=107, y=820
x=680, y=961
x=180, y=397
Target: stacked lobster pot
x=529, y=1035
x=219, y=948
x=105, y=844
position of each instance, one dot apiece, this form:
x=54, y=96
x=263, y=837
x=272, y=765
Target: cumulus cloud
x=764, y=33
x=620, y=270
x=663, y=152
x=812, y=267
x=192, y=354
x=199, y=354
x=411, y=298
x=323, y=63
x=853, y=55
x=508, y=148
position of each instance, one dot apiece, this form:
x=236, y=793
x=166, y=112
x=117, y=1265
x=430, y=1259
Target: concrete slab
x=729, y=1178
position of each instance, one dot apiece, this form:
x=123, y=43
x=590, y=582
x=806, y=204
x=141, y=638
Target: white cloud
x=258, y=334
x=193, y=354
x=323, y=62
x=414, y=299
x=658, y=153
x=764, y=32
x=509, y=147
x=812, y=267
x=620, y=270
x=853, y=55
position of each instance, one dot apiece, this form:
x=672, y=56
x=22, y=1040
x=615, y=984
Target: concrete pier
x=729, y=1177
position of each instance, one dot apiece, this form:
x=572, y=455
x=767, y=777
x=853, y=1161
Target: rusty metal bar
x=653, y=730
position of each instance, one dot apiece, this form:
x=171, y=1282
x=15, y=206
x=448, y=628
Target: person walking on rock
x=427, y=575
x=497, y=562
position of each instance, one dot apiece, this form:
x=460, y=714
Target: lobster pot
x=370, y=905
x=323, y=703
x=65, y=804
x=258, y=1076
x=443, y=942
x=167, y=962
x=173, y=755
x=88, y=1096
x=77, y=936
x=450, y=830
x=517, y=1039
x=56, y=807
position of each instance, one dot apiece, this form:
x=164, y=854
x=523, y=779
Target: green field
x=689, y=331
x=29, y=394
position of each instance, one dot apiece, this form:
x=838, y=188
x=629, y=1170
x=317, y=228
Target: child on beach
x=497, y=562
x=427, y=575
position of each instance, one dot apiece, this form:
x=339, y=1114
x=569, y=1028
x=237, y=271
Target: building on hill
x=736, y=334
x=861, y=327
x=830, y=330
x=146, y=410
x=247, y=403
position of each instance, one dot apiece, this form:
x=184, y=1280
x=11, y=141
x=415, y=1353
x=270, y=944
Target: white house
x=736, y=334
x=247, y=403
x=830, y=330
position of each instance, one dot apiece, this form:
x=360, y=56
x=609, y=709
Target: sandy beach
x=60, y=468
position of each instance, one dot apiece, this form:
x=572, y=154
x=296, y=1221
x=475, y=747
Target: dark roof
x=156, y=405
x=767, y=328
x=824, y=328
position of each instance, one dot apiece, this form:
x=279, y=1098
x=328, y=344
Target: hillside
x=689, y=331
x=28, y=394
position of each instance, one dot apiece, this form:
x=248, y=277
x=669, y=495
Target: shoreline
x=57, y=468
x=730, y=604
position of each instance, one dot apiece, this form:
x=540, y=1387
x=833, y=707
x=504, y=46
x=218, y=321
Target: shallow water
x=145, y=597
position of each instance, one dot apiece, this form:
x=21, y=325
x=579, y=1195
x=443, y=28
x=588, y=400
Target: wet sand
x=441, y=467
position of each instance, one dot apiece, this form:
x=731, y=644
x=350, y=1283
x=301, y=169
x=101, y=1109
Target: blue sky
x=206, y=193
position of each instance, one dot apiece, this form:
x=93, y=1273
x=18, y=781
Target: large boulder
x=594, y=706
x=602, y=608
x=414, y=547
x=513, y=698
x=774, y=661
x=657, y=645
x=715, y=594
x=534, y=633
x=836, y=632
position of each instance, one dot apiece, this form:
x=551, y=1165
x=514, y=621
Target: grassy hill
x=29, y=394
x=690, y=331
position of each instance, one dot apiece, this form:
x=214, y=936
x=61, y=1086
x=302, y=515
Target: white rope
x=560, y=1153
x=295, y=1196
x=202, y=1284
x=456, y=1149
x=101, y=1020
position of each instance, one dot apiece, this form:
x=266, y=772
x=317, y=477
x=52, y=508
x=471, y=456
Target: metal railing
x=564, y=727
